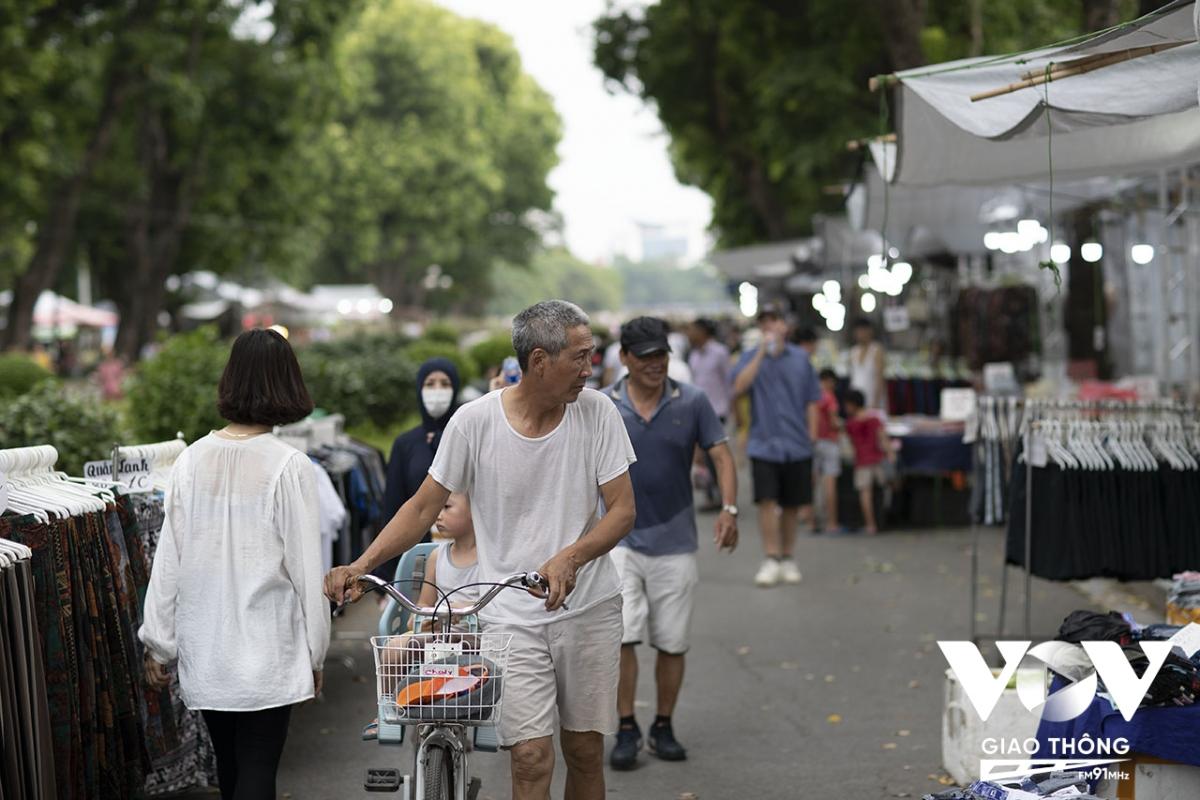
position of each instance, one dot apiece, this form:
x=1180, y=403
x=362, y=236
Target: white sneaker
x=788, y=571
x=768, y=573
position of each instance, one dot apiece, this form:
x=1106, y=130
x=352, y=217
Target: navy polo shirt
x=779, y=398
x=662, y=475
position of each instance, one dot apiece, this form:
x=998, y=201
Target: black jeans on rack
x=249, y=745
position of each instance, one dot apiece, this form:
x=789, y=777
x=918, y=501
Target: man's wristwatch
x=731, y=509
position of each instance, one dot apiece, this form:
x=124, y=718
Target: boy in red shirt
x=871, y=449
x=827, y=460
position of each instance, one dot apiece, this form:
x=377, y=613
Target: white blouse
x=235, y=591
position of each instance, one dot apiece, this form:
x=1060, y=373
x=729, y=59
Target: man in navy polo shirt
x=666, y=421
x=784, y=392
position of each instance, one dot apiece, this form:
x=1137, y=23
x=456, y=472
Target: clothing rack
x=160, y=456
x=309, y=433
x=994, y=430
x=1042, y=417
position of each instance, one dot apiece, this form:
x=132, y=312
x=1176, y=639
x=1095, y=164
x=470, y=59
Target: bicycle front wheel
x=439, y=780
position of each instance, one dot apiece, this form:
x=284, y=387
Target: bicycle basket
x=440, y=677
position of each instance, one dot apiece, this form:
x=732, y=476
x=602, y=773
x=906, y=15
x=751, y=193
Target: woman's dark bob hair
x=262, y=384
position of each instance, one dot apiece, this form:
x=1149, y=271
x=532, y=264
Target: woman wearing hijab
x=438, y=385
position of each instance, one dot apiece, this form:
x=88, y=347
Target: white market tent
x=1121, y=102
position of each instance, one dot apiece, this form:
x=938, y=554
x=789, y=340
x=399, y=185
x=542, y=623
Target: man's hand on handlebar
x=559, y=573
x=342, y=585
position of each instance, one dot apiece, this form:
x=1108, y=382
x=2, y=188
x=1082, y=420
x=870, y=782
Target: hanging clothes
x=27, y=767
x=181, y=752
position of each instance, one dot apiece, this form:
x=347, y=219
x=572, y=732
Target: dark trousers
x=248, y=745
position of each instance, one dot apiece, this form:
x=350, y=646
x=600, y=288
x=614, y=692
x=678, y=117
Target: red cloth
x=864, y=435
x=827, y=409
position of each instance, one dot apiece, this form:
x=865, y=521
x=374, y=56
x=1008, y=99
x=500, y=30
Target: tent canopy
x=1105, y=121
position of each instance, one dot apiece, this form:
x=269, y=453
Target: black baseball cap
x=645, y=335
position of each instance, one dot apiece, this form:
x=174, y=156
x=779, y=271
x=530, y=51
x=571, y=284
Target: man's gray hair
x=545, y=325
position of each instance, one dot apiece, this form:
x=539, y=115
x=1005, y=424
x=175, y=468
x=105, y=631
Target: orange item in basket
x=440, y=687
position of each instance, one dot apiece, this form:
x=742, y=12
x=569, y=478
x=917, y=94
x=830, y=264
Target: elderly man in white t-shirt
x=536, y=458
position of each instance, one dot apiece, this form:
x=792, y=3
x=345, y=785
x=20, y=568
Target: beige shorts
x=659, y=594
x=562, y=674
x=868, y=477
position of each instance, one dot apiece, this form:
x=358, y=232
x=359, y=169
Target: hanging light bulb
x=1142, y=253
x=1060, y=253
x=991, y=240
x=902, y=271
x=864, y=281
x=832, y=289
x=1091, y=252
x=867, y=302
x=819, y=301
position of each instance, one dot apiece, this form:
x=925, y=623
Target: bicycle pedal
x=473, y=788
x=383, y=780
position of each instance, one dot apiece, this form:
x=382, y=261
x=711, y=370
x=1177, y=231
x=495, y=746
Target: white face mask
x=437, y=401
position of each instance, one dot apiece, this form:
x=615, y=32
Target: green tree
x=760, y=96
x=554, y=273
x=438, y=155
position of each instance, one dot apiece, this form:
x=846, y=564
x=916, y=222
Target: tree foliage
x=438, y=155
x=760, y=96
x=555, y=273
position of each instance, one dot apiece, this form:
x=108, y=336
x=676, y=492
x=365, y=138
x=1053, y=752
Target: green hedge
x=492, y=352
x=176, y=390
x=78, y=426
x=369, y=379
x=19, y=374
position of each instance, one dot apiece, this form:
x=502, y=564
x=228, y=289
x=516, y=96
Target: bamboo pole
x=1070, y=69
x=858, y=144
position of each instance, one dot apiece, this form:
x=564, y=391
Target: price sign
x=135, y=473
x=895, y=319
x=1038, y=456
x=958, y=404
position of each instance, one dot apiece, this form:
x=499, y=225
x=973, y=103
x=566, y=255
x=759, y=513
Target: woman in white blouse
x=235, y=592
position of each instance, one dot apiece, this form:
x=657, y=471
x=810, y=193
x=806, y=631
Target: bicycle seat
x=395, y=617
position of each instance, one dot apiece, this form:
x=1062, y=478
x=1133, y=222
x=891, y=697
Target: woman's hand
x=158, y=677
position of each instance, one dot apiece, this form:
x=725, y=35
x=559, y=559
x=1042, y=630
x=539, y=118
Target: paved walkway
x=830, y=689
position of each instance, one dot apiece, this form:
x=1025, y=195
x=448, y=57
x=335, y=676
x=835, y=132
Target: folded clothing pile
x=1056, y=784
x=1183, y=601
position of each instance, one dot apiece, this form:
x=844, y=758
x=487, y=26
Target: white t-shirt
x=235, y=590
x=532, y=498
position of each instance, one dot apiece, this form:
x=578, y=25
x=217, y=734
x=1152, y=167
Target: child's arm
x=885, y=443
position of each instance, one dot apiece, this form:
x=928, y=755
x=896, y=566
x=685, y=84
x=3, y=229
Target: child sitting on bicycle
x=452, y=565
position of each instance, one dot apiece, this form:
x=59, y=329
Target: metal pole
x=974, y=576
x=1028, y=527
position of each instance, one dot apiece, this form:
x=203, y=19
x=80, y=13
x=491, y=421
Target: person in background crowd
x=235, y=589
x=784, y=393
x=871, y=449
x=806, y=340
x=536, y=459
x=710, y=364
x=413, y=451
x=867, y=361
x=666, y=421
x=677, y=366
x=827, y=450
x=110, y=376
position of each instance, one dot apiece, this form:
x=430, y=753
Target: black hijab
x=431, y=425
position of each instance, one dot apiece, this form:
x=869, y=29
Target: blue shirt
x=779, y=399
x=662, y=475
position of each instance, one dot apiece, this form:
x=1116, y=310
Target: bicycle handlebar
x=527, y=580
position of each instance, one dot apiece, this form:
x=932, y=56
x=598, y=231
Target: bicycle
x=443, y=683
